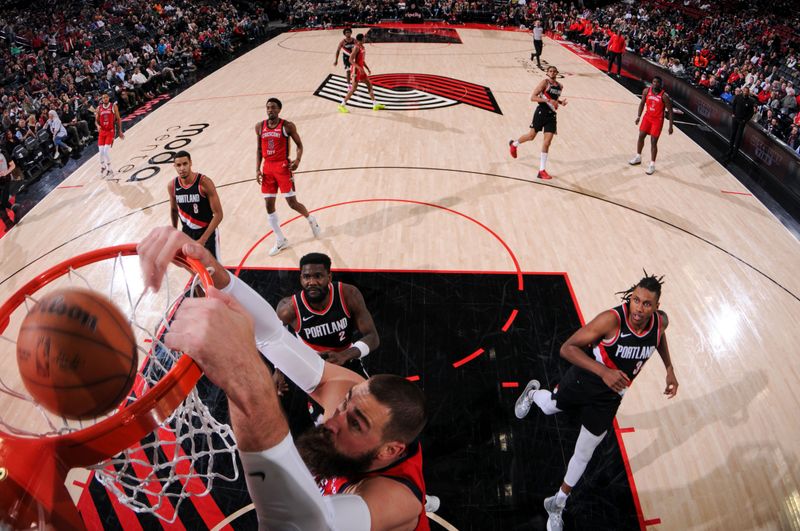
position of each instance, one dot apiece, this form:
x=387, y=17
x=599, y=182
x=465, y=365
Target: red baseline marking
x=627, y=430
x=469, y=358
x=652, y=521
x=384, y=270
x=414, y=378
x=88, y=510
x=736, y=193
x=510, y=320
x=71, y=186
x=509, y=384
x=520, y=282
x=629, y=472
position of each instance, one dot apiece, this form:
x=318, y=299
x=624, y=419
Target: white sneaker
x=651, y=169
x=315, y=228
x=635, y=160
x=279, y=246
x=432, y=503
x=525, y=400
x=554, y=521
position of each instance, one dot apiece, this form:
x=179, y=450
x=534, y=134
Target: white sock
x=544, y=399
x=311, y=219
x=342, y=102
x=275, y=223
x=561, y=497
x=516, y=143
x=543, y=162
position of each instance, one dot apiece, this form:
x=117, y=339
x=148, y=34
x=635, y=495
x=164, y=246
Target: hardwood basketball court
x=434, y=189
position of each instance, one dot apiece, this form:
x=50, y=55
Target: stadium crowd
x=60, y=56
x=720, y=49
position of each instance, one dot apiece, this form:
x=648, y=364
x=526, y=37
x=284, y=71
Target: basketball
x=76, y=353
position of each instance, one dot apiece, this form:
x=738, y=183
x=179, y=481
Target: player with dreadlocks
x=620, y=340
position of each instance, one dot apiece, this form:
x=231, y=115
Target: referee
x=538, y=31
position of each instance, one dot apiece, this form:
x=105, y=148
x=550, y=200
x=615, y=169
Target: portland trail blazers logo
x=410, y=92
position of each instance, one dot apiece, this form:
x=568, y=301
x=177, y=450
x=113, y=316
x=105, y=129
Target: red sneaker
x=512, y=148
x=543, y=175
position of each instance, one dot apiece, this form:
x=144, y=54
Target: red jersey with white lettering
x=106, y=116
x=274, y=142
x=408, y=471
x=654, y=105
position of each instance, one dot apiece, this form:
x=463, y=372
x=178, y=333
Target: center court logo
x=411, y=92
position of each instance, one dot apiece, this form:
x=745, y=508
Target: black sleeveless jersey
x=194, y=208
x=347, y=49
x=329, y=329
x=553, y=92
x=628, y=351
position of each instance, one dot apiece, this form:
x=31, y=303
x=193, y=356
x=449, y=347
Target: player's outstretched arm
x=668, y=106
x=295, y=136
x=603, y=326
x=663, y=350
x=370, y=340
x=210, y=191
x=642, y=103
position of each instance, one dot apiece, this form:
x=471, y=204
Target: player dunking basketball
x=359, y=69
x=548, y=95
x=657, y=101
x=274, y=170
x=106, y=116
x=366, y=454
x=346, y=46
x=622, y=340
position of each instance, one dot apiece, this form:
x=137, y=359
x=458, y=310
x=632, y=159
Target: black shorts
x=195, y=234
x=582, y=391
x=544, y=119
x=346, y=61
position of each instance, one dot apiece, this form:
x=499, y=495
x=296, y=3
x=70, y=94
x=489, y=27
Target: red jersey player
x=274, y=169
x=656, y=101
x=359, y=71
x=106, y=116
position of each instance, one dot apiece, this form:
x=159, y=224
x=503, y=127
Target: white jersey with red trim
x=628, y=351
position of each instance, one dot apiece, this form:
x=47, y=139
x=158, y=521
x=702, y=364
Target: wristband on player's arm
x=362, y=347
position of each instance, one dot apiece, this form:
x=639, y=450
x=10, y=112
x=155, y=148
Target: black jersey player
x=194, y=200
x=621, y=341
x=548, y=96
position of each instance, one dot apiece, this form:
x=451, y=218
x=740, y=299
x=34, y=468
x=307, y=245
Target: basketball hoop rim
x=124, y=428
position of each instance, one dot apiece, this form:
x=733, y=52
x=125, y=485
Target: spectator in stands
x=59, y=133
x=6, y=169
x=789, y=104
x=793, y=140
x=727, y=96
x=78, y=130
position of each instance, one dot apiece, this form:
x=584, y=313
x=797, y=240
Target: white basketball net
x=179, y=459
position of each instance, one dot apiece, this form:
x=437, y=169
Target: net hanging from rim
x=151, y=451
